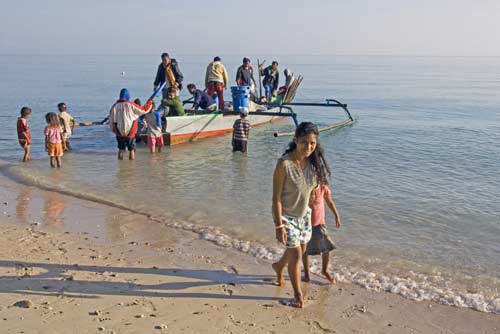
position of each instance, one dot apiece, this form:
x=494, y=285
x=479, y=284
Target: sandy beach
x=73, y=265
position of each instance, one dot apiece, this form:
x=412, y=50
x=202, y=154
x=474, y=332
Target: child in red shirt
x=23, y=132
x=320, y=242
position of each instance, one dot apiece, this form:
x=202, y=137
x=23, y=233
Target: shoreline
x=135, y=274
x=436, y=285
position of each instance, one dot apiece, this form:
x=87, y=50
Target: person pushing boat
x=123, y=122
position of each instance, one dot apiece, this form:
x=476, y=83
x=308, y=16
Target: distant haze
x=388, y=27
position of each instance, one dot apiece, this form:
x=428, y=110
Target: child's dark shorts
x=320, y=241
x=125, y=143
x=240, y=145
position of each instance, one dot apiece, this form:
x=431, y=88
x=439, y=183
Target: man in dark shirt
x=169, y=72
x=244, y=75
x=271, y=80
x=201, y=99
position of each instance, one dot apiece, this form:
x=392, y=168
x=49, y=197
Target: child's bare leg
x=59, y=162
x=120, y=154
x=26, y=153
x=52, y=162
x=131, y=155
x=152, y=149
x=68, y=146
x=159, y=148
x=279, y=267
x=324, y=270
x=305, y=262
x=294, y=259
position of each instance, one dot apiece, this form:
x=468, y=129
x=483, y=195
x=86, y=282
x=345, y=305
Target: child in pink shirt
x=320, y=242
x=53, y=139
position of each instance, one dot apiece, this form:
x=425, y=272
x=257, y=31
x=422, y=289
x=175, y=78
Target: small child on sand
x=241, y=130
x=320, y=242
x=53, y=139
x=23, y=132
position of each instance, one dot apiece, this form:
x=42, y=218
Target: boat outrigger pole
x=157, y=90
x=330, y=103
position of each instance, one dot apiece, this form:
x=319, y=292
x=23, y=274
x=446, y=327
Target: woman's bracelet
x=279, y=226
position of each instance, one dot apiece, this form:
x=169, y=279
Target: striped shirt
x=241, y=129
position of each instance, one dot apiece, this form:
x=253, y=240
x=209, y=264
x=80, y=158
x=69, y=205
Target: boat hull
x=184, y=129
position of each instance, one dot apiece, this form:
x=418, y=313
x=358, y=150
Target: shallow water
x=415, y=179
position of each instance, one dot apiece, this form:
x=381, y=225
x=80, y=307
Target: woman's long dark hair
x=317, y=158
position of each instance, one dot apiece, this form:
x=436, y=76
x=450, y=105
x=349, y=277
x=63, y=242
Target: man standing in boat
x=244, y=75
x=169, y=72
x=216, y=80
x=271, y=80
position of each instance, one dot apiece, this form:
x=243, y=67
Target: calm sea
x=416, y=178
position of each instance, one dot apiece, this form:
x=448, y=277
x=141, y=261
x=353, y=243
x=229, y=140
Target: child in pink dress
x=320, y=242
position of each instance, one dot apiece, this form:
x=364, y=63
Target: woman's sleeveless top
x=297, y=188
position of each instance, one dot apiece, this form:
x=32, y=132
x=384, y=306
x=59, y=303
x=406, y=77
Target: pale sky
x=387, y=27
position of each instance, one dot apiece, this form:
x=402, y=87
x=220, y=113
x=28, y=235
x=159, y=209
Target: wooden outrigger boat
x=195, y=125
x=191, y=127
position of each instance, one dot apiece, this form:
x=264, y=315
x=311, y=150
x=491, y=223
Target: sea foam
x=413, y=286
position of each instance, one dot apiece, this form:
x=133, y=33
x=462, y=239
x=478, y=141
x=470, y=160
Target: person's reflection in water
x=22, y=206
x=54, y=210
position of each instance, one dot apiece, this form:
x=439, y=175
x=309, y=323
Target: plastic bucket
x=241, y=97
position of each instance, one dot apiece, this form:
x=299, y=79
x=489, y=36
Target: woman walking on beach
x=295, y=176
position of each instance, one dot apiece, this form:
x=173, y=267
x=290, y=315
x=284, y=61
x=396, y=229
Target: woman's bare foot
x=298, y=301
x=280, y=280
x=329, y=277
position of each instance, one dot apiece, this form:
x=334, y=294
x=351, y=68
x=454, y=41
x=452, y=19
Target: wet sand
x=88, y=268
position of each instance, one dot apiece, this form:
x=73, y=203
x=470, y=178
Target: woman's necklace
x=299, y=163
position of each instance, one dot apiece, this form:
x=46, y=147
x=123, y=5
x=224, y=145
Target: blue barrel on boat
x=241, y=97
x=215, y=98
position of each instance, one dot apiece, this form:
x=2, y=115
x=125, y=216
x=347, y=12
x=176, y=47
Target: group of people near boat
x=216, y=81
x=300, y=180
x=128, y=118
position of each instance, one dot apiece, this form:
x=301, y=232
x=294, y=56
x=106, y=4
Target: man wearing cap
x=244, y=75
